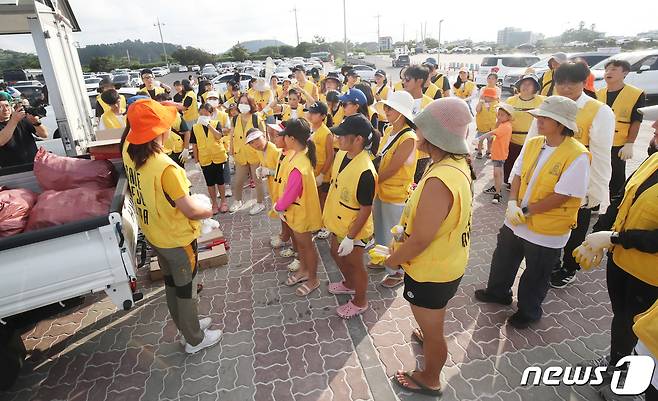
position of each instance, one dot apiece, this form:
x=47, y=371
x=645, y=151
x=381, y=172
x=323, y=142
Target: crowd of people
x=384, y=170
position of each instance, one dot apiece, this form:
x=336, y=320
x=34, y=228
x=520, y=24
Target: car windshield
x=489, y=62
x=121, y=78
x=403, y=57
x=92, y=81
x=517, y=62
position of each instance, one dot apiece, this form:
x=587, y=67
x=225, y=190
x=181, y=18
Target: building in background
x=512, y=37
x=385, y=43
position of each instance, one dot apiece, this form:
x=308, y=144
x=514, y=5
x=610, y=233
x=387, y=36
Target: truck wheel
x=12, y=354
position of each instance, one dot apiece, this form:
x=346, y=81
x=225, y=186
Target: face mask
x=203, y=120
x=213, y=102
x=244, y=108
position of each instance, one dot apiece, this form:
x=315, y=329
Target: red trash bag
x=15, y=206
x=60, y=207
x=61, y=173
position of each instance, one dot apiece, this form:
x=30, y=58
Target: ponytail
x=311, y=152
x=469, y=161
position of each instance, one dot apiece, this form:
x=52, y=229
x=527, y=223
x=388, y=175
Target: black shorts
x=176, y=158
x=214, y=174
x=429, y=295
x=324, y=188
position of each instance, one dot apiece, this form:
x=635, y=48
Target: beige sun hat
x=402, y=102
x=560, y=109
x=508, y=108
x=444, y=123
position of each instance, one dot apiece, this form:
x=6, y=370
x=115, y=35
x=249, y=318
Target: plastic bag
x=61, y=173
x=60, y=207
x=15, y=206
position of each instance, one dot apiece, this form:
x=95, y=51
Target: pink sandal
x=223, y=208
x=339, y=288
x=349, y=310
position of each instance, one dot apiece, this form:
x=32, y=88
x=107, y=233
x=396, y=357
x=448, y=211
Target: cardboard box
x=155, y=274
x=214, y=257
x=215, y=234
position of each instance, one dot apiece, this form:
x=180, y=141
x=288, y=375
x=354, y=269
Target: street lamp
x=345, y=30
x=438, y=56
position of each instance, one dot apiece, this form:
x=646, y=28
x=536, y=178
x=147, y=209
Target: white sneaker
x=210, y=338
x=258, y=207
x=323, y=233
x=227, y=191
x=275, y=242
x=294, y=265
x=237, y=205
x=203, y=324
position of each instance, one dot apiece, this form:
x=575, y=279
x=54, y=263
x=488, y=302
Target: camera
x=38, y=111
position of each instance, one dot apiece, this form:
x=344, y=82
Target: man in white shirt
x=549, y=179
x=596, y=123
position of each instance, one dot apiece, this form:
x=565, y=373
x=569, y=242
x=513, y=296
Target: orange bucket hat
x=148, y=119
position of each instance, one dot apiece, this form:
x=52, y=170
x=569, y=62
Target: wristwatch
x=614, y=238
x=525, y=211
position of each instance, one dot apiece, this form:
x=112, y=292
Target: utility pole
x=159, y=25
x=345, y=30
x=379, y=47
x=128, y=54
x=438, y=56
x=294, y=10
x=403, y=29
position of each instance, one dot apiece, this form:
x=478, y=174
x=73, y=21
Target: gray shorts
x=498, y=163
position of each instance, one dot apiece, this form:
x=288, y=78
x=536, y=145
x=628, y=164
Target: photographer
x=17, y=144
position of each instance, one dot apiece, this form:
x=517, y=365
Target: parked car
x=282, y=72
x=209, y=72
x=28, y=83
x=196, y=68
x=502, y=65
x=91, y=84
x=182, y=68
x=366, y=73
x=644, y=71
x=482, y=48
x=158, y=72
x=121, y=80
x=220, y=82
x=403, y=60
x=33, y=93
x=361, y=55
x=135, y=79
x=592, y=58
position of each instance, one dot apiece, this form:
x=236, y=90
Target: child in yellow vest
x=298, y=203
x=348, y=210
x=485, y=117
x=112, y=118
x=210, y=153
x=501, y=135
x=551, y=176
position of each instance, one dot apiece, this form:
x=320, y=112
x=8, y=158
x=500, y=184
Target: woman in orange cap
x=168, y=215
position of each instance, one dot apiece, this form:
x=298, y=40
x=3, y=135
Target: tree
x=431, y=43
x=239, y=53
x=101, y=64
x=287, y=51
x=192, y=55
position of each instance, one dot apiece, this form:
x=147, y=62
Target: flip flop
x=398, y=280
x=422, y=389
x=417, y=334
x=304, y=289
x=339, y=288
x=349, y=310
x=292, y=280
x=376, y=267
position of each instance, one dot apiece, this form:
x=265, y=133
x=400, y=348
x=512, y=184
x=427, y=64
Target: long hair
x=139, y=154
x=300, y=130
x=458, y=83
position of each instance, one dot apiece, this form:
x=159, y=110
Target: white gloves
x=207, y=225
x=184, y=155
x=319, y=180
x=282, y=214
x=346, y=246
x=514, y=213
x=263, y=172
x=590, y=252
x=626, y=152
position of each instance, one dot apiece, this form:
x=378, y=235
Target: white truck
x=47, y=271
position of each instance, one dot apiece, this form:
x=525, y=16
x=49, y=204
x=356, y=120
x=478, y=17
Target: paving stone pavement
x=277, y=346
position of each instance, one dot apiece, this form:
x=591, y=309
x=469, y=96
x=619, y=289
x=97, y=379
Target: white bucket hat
x=402, y=102
x=650, y=112
x=508, y=108
x=560, y=109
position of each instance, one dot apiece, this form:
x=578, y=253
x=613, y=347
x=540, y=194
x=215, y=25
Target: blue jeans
x=385, y=215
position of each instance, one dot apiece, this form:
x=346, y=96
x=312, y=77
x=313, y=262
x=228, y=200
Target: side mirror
x=645, y=68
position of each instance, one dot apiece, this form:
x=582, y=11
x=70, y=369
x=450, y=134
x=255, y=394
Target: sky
x=215, y=26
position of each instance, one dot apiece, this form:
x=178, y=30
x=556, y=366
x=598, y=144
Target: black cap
x=380, y=72
x=315, y=73
x=356, y=124
x=333, y=96
x=334, y=75
x=319, y=108
x=352, y=72
x=298, y=67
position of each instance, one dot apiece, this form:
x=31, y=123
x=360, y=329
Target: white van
x=502, y=65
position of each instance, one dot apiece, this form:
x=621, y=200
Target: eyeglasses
x=147, y=77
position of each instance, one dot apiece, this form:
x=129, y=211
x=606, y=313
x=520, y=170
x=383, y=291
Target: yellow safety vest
x=439, y=81
x=446, y=257
x=546, y=83
x=561, y=220
x=641, y=214
x=398, y=86
x=521, y=118
x=262, y=99
x=174, y=142
x=271, y=158
x=311, y=89
x=158, y=90
x=342, y=205
x=243, y=153
x=584, y=119
x=623, y=108
x=192, y=112
x=382, y=91
x=161, y=222
x=286, y=113
x=486, y=118
x=110, y=120
x=304, y=215
x=646, y=328
x=320, y=138
x=465, y=90
x=106, y=107
x=210, y=149
x=397, y=188
x=431, y=90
